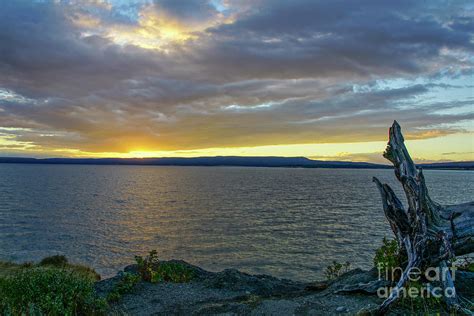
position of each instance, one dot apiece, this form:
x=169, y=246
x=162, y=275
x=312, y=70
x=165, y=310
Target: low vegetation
x=153, y=270
x=336, y=269
x=388, y=259
x=423, y=304
x=52, y=287
x=56, y=287
x=389, y=262
x=62, y=262
x=126, y=285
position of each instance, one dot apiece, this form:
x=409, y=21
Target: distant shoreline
x=230, y=161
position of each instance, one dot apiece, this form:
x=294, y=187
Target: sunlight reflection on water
x=287, y=222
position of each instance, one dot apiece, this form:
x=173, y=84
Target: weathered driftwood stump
x=429, y=233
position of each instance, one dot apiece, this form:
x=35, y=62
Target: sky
x=320, y=79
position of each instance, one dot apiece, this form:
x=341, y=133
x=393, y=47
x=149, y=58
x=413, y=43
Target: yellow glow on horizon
x=268, y=150
x=454, y=147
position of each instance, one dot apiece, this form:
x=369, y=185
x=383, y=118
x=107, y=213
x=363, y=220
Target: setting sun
x=161, y=79
x=236, y=157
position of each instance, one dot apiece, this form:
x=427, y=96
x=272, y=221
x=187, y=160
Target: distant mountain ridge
x=236, y=161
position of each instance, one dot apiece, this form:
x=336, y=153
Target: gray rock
x=232, y=292
x=464, y=283
x=264, y=285
x=341, y=309
x=367, y=288
x=276, y=307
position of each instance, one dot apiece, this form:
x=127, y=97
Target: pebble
x=341, y=309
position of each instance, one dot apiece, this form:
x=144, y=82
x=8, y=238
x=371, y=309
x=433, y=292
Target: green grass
x=336, y=269
x=419, y=304
x=150, y=269
x=56, y=287
x=388, y=259
x=52, y=287
x=125, y=285
x=153, y=270
x=172, y=272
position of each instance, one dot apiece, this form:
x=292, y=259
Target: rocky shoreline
x=231, y=292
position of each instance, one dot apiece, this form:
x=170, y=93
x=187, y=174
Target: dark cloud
x=281, y=72
x=328, y=38
x=43, y=54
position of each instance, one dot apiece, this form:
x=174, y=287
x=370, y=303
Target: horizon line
x=242, y=161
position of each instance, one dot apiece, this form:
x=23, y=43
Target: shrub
x=48, y=290
x=422, y=304
x=125, y=285
x=336, y=269
x=62, y=262
x=152, y=270
x=387, y=258
x=172, y=272
x=57, y=261
x=146, y=265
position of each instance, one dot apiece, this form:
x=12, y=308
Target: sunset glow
x=205, y=78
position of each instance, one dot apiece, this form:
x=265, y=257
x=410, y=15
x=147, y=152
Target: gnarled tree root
x=430, y=234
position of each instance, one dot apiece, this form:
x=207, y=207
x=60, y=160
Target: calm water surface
x=286, y=222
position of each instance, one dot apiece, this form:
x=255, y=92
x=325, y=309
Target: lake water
x=283, y=221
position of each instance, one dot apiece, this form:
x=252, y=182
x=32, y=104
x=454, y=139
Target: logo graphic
x=415, y=275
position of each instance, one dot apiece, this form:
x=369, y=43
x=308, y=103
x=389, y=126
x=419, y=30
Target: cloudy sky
x=321, y=79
